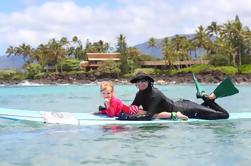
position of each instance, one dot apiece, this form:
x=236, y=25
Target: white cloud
x=137, y=20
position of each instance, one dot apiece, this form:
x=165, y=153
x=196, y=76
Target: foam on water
x=27, y=83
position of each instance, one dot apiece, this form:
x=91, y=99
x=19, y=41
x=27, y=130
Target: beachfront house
x=94, y=60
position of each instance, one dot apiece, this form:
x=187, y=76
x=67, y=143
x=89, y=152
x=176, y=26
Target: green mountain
x=12, y=62
x=156, y=51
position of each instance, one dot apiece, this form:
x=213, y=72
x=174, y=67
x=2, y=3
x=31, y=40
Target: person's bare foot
x=163, y=115
x=212, y=96
x=179, y=115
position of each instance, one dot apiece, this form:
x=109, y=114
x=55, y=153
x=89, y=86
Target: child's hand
x=101, y=108
x=141, y=112
x=107, y=103
x=97, y=113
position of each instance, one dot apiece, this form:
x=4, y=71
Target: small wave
x=91, y=84
x=62, y=84
x=243, y=83
x=27, y=83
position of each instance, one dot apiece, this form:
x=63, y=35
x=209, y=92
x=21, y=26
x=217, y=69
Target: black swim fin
x=198, y=88
x=226, y=88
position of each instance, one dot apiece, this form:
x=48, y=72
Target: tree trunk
x=234, y=56
x=61, y=68
x=239, y=55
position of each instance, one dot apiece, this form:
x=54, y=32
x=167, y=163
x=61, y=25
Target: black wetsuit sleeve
x=136, y=100
x=155, y=102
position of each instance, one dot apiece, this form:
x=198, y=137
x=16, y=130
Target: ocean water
x=222, y=142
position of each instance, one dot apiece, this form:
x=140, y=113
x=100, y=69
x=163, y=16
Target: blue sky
x=36, y=21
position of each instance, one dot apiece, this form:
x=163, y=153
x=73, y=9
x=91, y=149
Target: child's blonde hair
x=106, y=85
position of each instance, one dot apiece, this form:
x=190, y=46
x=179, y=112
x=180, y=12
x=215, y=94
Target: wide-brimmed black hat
x=141, y=76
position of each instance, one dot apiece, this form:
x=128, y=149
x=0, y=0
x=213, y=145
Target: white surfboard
x=89, y=118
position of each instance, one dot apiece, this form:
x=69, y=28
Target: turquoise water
x=28, y=143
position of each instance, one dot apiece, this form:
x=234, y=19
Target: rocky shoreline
x=181, y=78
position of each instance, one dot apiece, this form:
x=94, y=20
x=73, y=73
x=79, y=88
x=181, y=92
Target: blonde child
x=112, y=105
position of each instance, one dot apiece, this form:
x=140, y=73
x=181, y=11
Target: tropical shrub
x=193, y=69
x=144, y=70
x=229, y=70
x=40, y=75
x=19, y=76
x=218, y=60
x=69, y=64
x=246, y=59
x=11, y=75
x=108, y=68
x=33, y=69
x=245, y=69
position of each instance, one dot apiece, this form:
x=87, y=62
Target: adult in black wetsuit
x=154, y=102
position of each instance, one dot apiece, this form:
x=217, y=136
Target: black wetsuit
x=154, y=101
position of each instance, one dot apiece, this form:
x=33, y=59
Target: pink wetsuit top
x=116, y=106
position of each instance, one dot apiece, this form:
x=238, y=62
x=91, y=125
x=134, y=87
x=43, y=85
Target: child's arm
x=131, y=110
x=111, y=108
x=111, y=111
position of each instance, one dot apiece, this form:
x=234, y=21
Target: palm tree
x=122, y=49
x=88, y=45
x=41, y=55
x=23, y=50
x=78, y=50
x=64, y=41
x=178, y=45
x=227, y=36
x=121, y=43
x=187, y=47
x=247, y=41
x=75, y=39
x=152, y=44
x=11, y=51
x=134, y=56
x=133, y=52
x=201, y=39
x=56, y=52
x=167, y=52
x=190, y=47
x=234, y=34
x=101, y=46
x=213, y=29
x=240, y=39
